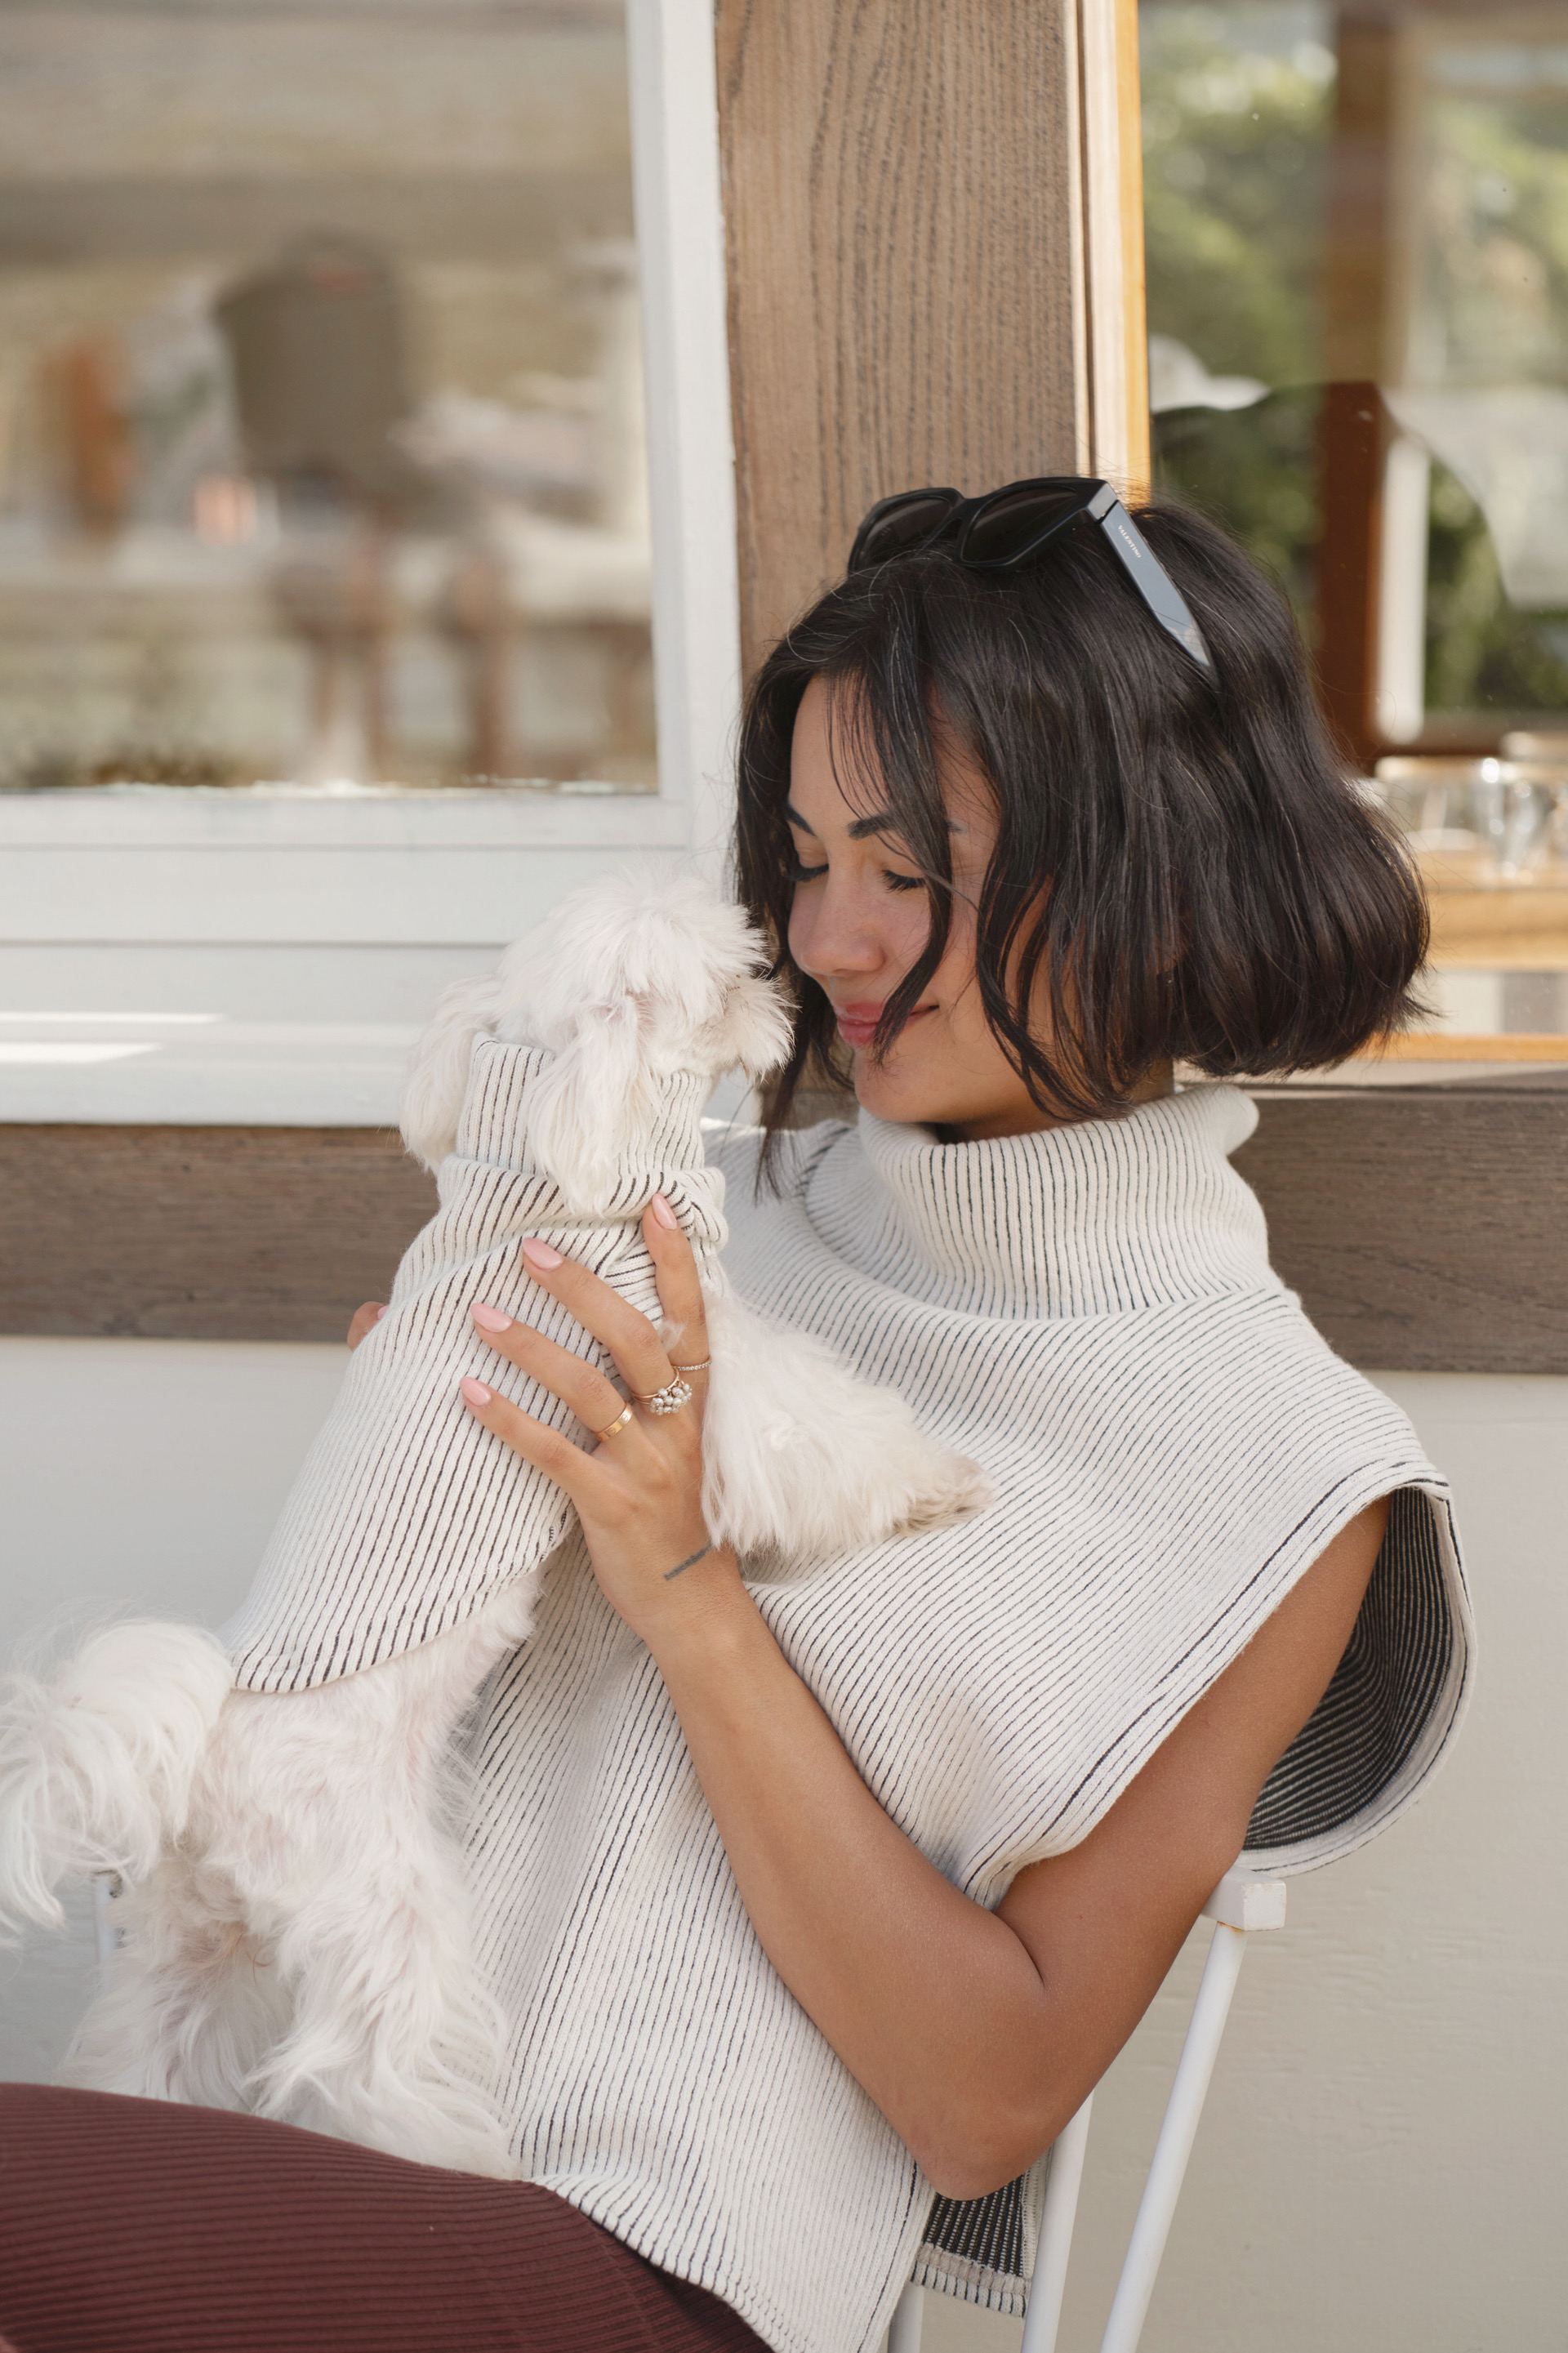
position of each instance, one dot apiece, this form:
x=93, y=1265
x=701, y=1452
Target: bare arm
x=976, y=2033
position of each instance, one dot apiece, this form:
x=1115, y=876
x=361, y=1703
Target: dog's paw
x=949, y=1487
x=805, y=1459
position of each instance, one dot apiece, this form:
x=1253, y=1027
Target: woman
x=817, y=1902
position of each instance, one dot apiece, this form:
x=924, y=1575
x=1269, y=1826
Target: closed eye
x=799, y=874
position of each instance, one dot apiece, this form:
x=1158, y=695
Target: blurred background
x=1357, y=253
x=322, y=464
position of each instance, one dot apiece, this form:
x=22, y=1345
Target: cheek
x=906, y=927
x=953, y=978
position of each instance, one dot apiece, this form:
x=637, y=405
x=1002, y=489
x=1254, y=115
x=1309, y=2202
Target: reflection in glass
x=322, y=450
x=1357, y=227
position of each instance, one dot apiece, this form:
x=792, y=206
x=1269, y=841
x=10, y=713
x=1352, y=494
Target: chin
x=896, y=1096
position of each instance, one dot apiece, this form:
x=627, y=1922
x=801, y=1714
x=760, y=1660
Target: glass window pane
x=1375, y=199
x=1357, y=245
x=321, y=447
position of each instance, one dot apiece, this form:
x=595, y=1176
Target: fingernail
x=539, y=1254
x=490, y=1319
x=476, y=1392
x=663, y=1211
x=377, y=1316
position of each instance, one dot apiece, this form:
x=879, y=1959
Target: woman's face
x=858, y=922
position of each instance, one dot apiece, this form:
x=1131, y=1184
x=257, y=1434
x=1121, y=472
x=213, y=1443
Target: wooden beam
x=1422, y=1228
x=1354, y=430
x=930, y=263
x=1134, y=308
x=1422, y=1224
x=202, y=1233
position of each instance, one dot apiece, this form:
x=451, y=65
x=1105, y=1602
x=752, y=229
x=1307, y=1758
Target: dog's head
x=632, y=978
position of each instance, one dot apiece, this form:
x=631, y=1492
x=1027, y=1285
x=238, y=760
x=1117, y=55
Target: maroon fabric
x=135, y=2226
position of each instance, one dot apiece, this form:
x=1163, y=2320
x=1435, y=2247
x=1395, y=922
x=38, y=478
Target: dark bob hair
x=1183, y=870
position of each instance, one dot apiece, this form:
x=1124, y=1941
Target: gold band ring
x=702, y=1367
x=619, y=1423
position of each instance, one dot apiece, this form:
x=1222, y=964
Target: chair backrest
x=1241, y=1906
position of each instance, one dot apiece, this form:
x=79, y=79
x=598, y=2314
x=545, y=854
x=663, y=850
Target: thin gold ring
x=702, y=1367
x=619, y=1423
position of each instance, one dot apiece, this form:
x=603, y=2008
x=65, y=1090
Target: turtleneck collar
x=1091, y=1219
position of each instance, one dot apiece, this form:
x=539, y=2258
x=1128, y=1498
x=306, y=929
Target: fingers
x=366, y=1319
x=592, y=1398
x=550, y=1451
x=680, y=1291
x=645, y=1364
x=630, y=1338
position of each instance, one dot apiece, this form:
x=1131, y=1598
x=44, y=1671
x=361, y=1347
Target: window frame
x=182, y=865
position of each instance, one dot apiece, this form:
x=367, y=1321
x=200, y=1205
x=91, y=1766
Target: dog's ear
x=437, y=1075
x=591, y=1103
x=756, y=1027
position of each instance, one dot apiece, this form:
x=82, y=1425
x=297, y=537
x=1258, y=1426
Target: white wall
x=144, y=1473
x=1379, y=2167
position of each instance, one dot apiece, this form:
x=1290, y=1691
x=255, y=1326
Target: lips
x=857, y=1023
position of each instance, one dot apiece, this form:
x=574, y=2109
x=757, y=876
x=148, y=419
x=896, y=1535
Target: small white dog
x=282, y=1803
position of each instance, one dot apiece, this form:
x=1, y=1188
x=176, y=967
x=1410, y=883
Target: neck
x=1158, y=1081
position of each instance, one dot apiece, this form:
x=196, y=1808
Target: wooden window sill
x=1419, y=1209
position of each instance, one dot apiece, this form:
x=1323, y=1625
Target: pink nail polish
x=663, y=1211
x=539, y=1254
x=476, y=1392
x=490, y=1319
x=377, y=1316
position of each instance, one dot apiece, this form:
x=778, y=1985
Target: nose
x=832, y=933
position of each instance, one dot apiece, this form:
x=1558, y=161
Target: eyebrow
x=861, y=828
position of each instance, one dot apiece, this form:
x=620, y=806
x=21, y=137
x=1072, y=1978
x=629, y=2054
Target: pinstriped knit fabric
x=1090, y=1313
x=407, y=1514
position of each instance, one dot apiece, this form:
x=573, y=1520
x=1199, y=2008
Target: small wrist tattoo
x=681, y=1566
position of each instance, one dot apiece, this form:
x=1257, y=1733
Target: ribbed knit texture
x=135, y=2226
x=407, y=1514
x=1090, y=1313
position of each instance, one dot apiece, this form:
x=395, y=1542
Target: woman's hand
x=639, y=1493
x=365, y=1320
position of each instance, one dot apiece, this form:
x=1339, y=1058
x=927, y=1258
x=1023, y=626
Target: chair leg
x=1177, y=2133
x=1050, y=2279
x=904, y=2329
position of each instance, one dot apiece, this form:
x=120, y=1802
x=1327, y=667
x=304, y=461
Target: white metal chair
x=1239, y=1907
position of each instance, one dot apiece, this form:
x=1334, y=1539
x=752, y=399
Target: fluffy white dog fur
x=295, y=1936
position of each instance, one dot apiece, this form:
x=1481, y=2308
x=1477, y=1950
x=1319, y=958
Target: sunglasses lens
x=1011, y=524
x=903, y=526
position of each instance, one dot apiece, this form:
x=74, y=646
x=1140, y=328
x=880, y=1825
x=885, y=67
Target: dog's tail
x=97, y=1764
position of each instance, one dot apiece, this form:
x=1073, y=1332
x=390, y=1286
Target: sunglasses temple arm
x=1149, y=578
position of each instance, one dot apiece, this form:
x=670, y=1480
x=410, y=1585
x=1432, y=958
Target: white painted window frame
x=116, y=866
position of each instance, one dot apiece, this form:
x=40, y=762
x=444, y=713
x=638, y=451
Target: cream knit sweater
x=1090, y=1313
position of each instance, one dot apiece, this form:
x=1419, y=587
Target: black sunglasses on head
x=1005, y=528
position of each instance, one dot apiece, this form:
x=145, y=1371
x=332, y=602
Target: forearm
x=929, y=1999
x=976, y=2034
